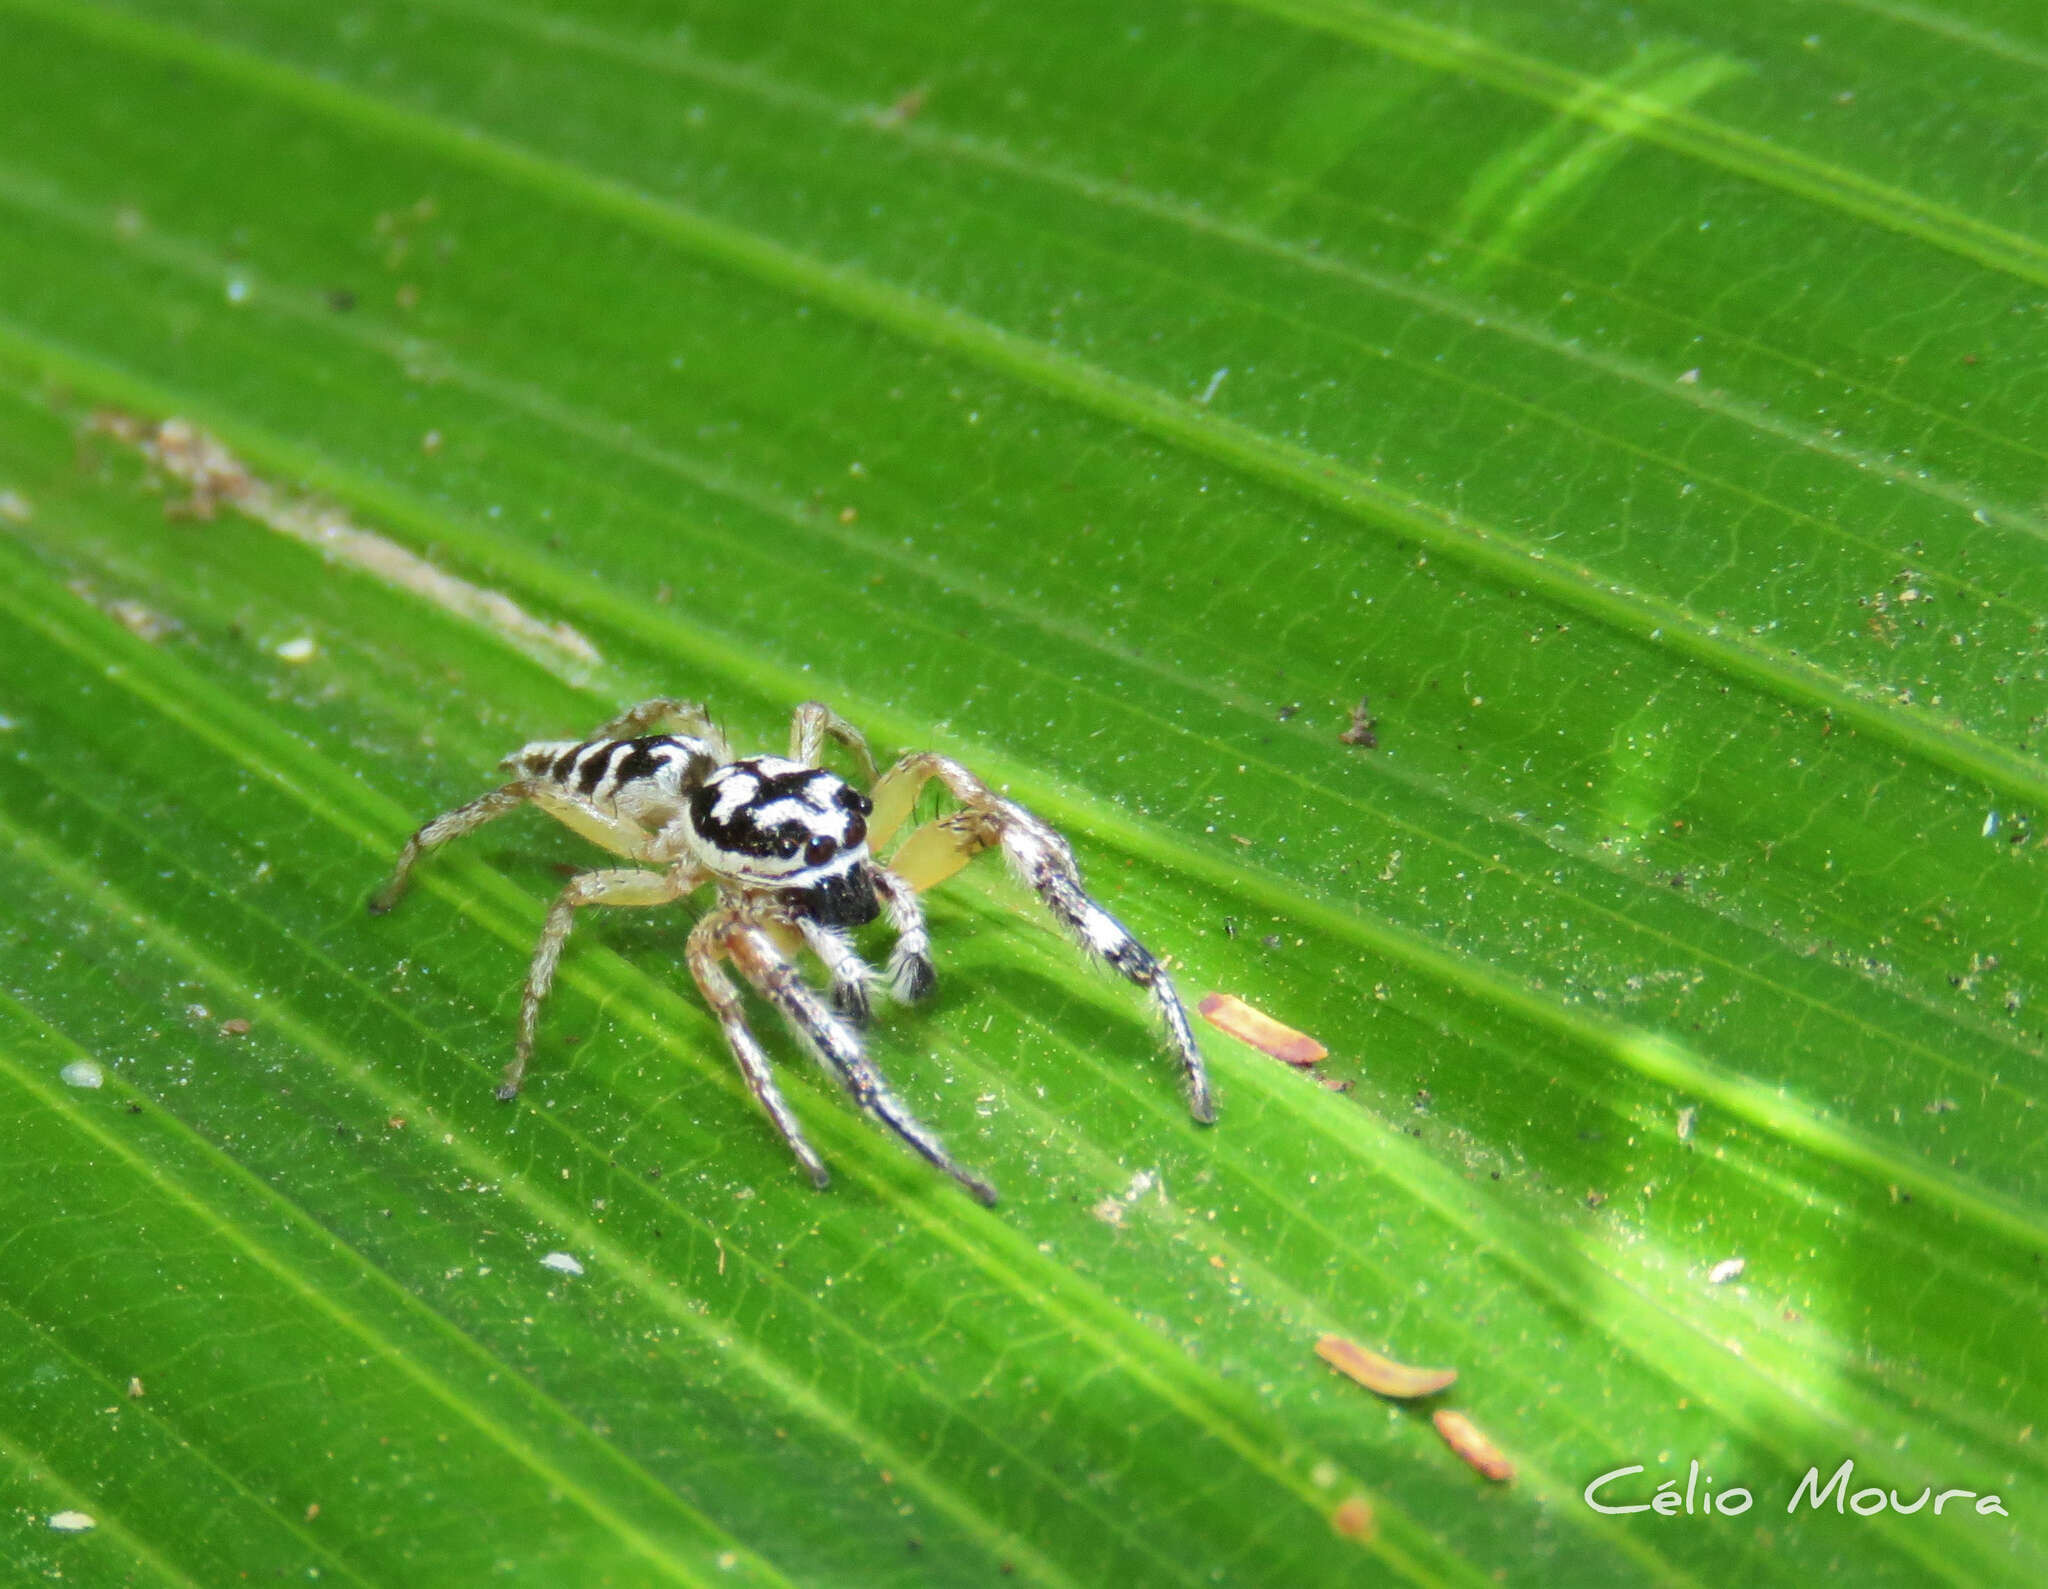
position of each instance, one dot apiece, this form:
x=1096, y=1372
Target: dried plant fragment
x=1228, y=1013
x=1472, y=1447
x=1360, y=733
x=215, y=477
x=1382, y=1375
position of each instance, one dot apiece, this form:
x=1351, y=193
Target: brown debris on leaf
x=1228, y=1013
x=1472, y=1447
x=905, y=109
x=212, y=473
x=216, y=478
x=1353, y=1518
x=1382, y=1375
x=1360, y=733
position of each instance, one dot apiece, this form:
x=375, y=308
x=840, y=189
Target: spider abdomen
x=645, y=780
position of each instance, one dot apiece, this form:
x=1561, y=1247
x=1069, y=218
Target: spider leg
x=838, y=1050
x=448, y=825
x=616, y=886
x=850, y=974
x=911, y=976
x=1041, y=859
x=707, y=945
x=813, y=724
x=689, y=716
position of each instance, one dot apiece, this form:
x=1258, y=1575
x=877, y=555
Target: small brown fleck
x=1360, y=733
x=238, y=1027
x=396, y=1123
x=906, y=107
x=1228, y=1013
x=312, y=1510
x=1353, y=1518
x=1471, y=1447
x=1382, y=1375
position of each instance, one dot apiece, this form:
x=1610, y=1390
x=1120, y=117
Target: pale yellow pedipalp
x=935, y=852
x=893, y=796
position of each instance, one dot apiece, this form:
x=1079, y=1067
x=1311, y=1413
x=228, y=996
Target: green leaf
x=1634, y=408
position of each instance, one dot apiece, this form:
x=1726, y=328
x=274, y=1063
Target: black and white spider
x=790, y=849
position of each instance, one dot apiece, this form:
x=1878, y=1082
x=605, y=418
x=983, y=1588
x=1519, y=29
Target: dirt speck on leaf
x=1353, y=1518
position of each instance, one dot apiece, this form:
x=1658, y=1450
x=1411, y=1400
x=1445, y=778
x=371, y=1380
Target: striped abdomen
x=645, y=780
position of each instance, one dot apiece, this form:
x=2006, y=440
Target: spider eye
x=856, y=831
x=819, y=850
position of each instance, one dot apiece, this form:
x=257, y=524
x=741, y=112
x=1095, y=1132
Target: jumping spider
x=790, y=849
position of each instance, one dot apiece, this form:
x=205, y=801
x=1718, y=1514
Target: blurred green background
x=1639, y=407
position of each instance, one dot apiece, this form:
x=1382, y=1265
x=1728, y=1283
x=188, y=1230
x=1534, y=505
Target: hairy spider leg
x=706, y=947
x=753, y=952
x=582, y=816
x=911, y=976
x=812, y=724
x=1040, y=859
x=617, y=886
x=448, y=825
x=851, y=976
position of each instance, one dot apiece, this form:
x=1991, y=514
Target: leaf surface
x=1633, y=414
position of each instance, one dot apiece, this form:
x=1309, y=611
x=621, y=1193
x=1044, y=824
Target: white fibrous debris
x=299, y=650
x=563, y=1262
x=73, y=1522
x=83, y=1073
x=1724, y=1271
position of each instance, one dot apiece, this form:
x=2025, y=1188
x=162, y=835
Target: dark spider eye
x=819, y=851
x=856, y=831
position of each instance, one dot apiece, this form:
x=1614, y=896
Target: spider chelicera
x=790, y=849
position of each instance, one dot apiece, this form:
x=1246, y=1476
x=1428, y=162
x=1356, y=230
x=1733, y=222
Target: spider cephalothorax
x=787, y=845
x=788, y=829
